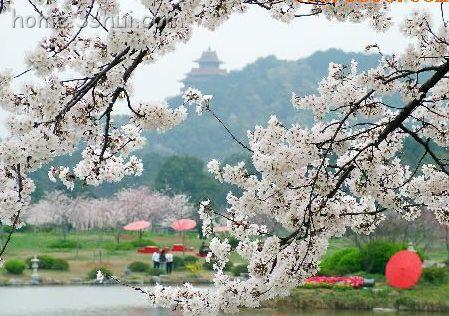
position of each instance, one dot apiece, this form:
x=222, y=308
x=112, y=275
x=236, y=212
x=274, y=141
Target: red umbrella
x=183, y=224
x=403, y=270
x=139, y=225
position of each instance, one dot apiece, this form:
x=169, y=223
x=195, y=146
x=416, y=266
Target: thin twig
x=17, y=215
x=229, y=131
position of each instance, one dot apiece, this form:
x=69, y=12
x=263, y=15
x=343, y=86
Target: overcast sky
x=239, y=41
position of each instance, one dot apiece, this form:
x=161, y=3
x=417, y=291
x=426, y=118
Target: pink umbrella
x=183, y=224
x=221, y=229
x=139, y=225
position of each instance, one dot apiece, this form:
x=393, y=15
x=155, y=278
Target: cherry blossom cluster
x=77, y=76
x=344, y=172
x=206, y=216
x=194, y=96
x=316, y=182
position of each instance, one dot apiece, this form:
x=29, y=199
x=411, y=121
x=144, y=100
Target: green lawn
x=94, y=250
x=40, y=241
x=92, y=253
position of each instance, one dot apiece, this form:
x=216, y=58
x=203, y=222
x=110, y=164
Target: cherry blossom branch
x=88, y=86
x=228, y=130
x=389, y=128
x=80, y=29
x=36, y=9
x=22, y=73
x=425, y=144
x=351, y=165
x=135, y=288
x=13, y=227
x=409, y=108
x=442, y=17
x=15, y=220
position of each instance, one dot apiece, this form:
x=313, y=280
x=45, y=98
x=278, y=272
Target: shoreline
x=153, y=281
x=381, y=299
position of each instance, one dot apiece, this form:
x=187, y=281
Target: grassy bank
x=423, y=297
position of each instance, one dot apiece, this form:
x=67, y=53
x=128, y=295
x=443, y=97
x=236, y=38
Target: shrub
x=45, y=262
x=143, y=243
x=344, y=261
x=65, y=244
x=155, y=271
x=435, y=275
x=190, y=259
x=228, y=266
x=60, y=265
x=111, y=246
x=239, y=269
x=49, y=263
x=350, y=262
x=92, y=275
x=178, y=262
x=24, y=228
x=421, y=254
x=376, y=254
x=371, y=258
x=130, y=245
x=138, y=266
x=194, y=268
x=15, y=266
x=208, y=266
x=233, y=242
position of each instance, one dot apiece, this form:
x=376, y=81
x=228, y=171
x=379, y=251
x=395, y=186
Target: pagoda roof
x=209, y=56
x=207, y=71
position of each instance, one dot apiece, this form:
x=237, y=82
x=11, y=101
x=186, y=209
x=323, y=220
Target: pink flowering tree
x=145, y=204
x=318, y=182
x=126, y=206
x=55, y=209
x=95, y=214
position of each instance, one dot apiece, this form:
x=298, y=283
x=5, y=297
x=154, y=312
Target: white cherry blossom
x=315, y=182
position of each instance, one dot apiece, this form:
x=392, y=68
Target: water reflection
x=108, y=301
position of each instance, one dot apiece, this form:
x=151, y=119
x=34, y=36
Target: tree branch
x=426, y=146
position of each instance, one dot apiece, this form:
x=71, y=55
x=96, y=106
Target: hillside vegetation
x=242, y=99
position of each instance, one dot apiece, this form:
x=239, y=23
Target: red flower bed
x=148, y=249
x=354, y=281
x=178, y=247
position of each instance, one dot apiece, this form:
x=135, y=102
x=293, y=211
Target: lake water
x=107, y=301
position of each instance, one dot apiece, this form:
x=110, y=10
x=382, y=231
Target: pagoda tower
x=208, y=67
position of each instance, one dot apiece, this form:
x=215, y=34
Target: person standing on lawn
x=169, y=264
x=156, y=260
x=162, y=258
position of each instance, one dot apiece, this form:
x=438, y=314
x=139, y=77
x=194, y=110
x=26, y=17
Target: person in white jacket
x=156, y=260
x=169, y=262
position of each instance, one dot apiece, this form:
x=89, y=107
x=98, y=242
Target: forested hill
x=241, y=99
x=248, y=97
